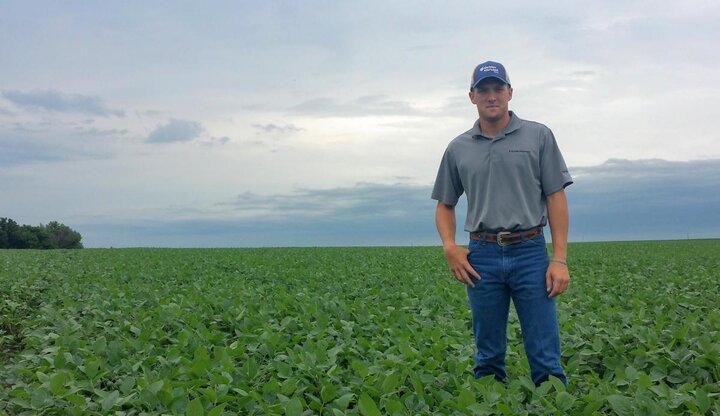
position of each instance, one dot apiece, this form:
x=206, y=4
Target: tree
x=3, y=238
x=27, y=237
x=10, y=230
x=53, y=235
x=63, y=236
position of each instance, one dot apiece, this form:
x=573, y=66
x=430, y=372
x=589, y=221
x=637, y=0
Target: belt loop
x=484, y=237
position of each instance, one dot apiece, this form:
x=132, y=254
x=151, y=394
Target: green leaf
x=217, y=410
x=527, y=383
x=557, y=383
x=210, y=395
x=703, y=400
x=271, y=386
x=201, y=361
x=361, y=368
x=195, y=408
x=59, y=361
x=328, y=392
x=621, y=405
x=293, y=407
x=100, y=345
x=92, y=368
x=289, y=386
x=241, y=392
x=344, y=401
x=368, y=406
x=543, y=389
x=251, y=368
x=155, y=387
x=76, y=399
x=564, y=401
x=393, y=406
x=390, y=383
x=166, y=397
x=110, y=400
x=505, y=409
x=631, y=374
x=20, y=402
x=283, y=369
x=57, y=382
x=592, y=407
x=127, y=384
x=465, y=399
x=418, y=385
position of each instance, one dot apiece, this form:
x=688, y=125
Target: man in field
x=514, y=177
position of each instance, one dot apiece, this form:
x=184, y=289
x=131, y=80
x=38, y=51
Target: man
x=514, y=177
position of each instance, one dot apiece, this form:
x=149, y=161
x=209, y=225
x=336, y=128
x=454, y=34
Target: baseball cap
x=487, y=70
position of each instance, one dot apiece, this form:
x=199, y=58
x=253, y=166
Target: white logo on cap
x=489, y=68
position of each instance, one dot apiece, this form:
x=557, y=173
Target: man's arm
x=557, y=277
x=456, y=256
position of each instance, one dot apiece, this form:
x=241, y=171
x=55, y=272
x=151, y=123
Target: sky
x=279, y=123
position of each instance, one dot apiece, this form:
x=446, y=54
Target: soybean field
x=345, y=331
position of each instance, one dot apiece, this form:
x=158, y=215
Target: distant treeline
x=52, y=235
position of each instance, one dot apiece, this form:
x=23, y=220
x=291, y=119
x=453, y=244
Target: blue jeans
x=515, y=271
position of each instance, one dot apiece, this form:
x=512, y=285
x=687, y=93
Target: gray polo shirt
x=506, y=178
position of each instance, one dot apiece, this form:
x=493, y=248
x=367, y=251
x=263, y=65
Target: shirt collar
x=513, y=125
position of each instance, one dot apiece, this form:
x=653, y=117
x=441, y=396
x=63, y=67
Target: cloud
x=176, y=131
x=360, y=201
x=272, y=128
x=645, y=199
x=17, y=151
x=45, y=141
x=583, y=75
x=259, y=233
x=217, y=141
x=617, y=200
x=361, y=215
x=97, y=133
x=61, y=102
x=622, y=175
x=369, y=105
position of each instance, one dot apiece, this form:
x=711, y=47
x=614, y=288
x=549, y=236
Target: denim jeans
x=515, y=271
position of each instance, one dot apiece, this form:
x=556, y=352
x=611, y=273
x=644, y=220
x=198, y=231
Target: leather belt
x=505, y=238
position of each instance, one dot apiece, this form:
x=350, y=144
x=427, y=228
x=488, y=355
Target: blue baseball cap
x=487, y=70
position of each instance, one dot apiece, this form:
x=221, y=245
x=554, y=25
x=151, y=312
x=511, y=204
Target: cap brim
x=504, y=81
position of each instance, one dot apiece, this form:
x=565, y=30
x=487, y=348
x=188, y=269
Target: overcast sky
x=323, y=122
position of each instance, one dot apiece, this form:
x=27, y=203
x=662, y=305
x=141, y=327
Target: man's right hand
x=457, y=259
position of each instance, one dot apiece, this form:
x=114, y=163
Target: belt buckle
x=500, y=236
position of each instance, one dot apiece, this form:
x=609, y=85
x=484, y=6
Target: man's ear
x=510, y=92
x=471, y=94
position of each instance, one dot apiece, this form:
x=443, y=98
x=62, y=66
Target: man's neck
x=492, y=128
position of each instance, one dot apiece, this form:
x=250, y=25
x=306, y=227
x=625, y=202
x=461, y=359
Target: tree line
x=52, y=235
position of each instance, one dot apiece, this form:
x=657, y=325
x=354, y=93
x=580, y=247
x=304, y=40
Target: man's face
x=491, y=97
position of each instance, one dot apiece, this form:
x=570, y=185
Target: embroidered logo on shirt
x=519, y=151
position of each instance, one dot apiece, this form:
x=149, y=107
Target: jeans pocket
x=474, y=249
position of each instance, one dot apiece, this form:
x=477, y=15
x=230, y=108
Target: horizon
x=620, y=200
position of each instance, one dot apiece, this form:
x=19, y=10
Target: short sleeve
x=448, y=186
x=554, y=174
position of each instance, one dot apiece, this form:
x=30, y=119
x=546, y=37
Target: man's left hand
x=557, y=279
